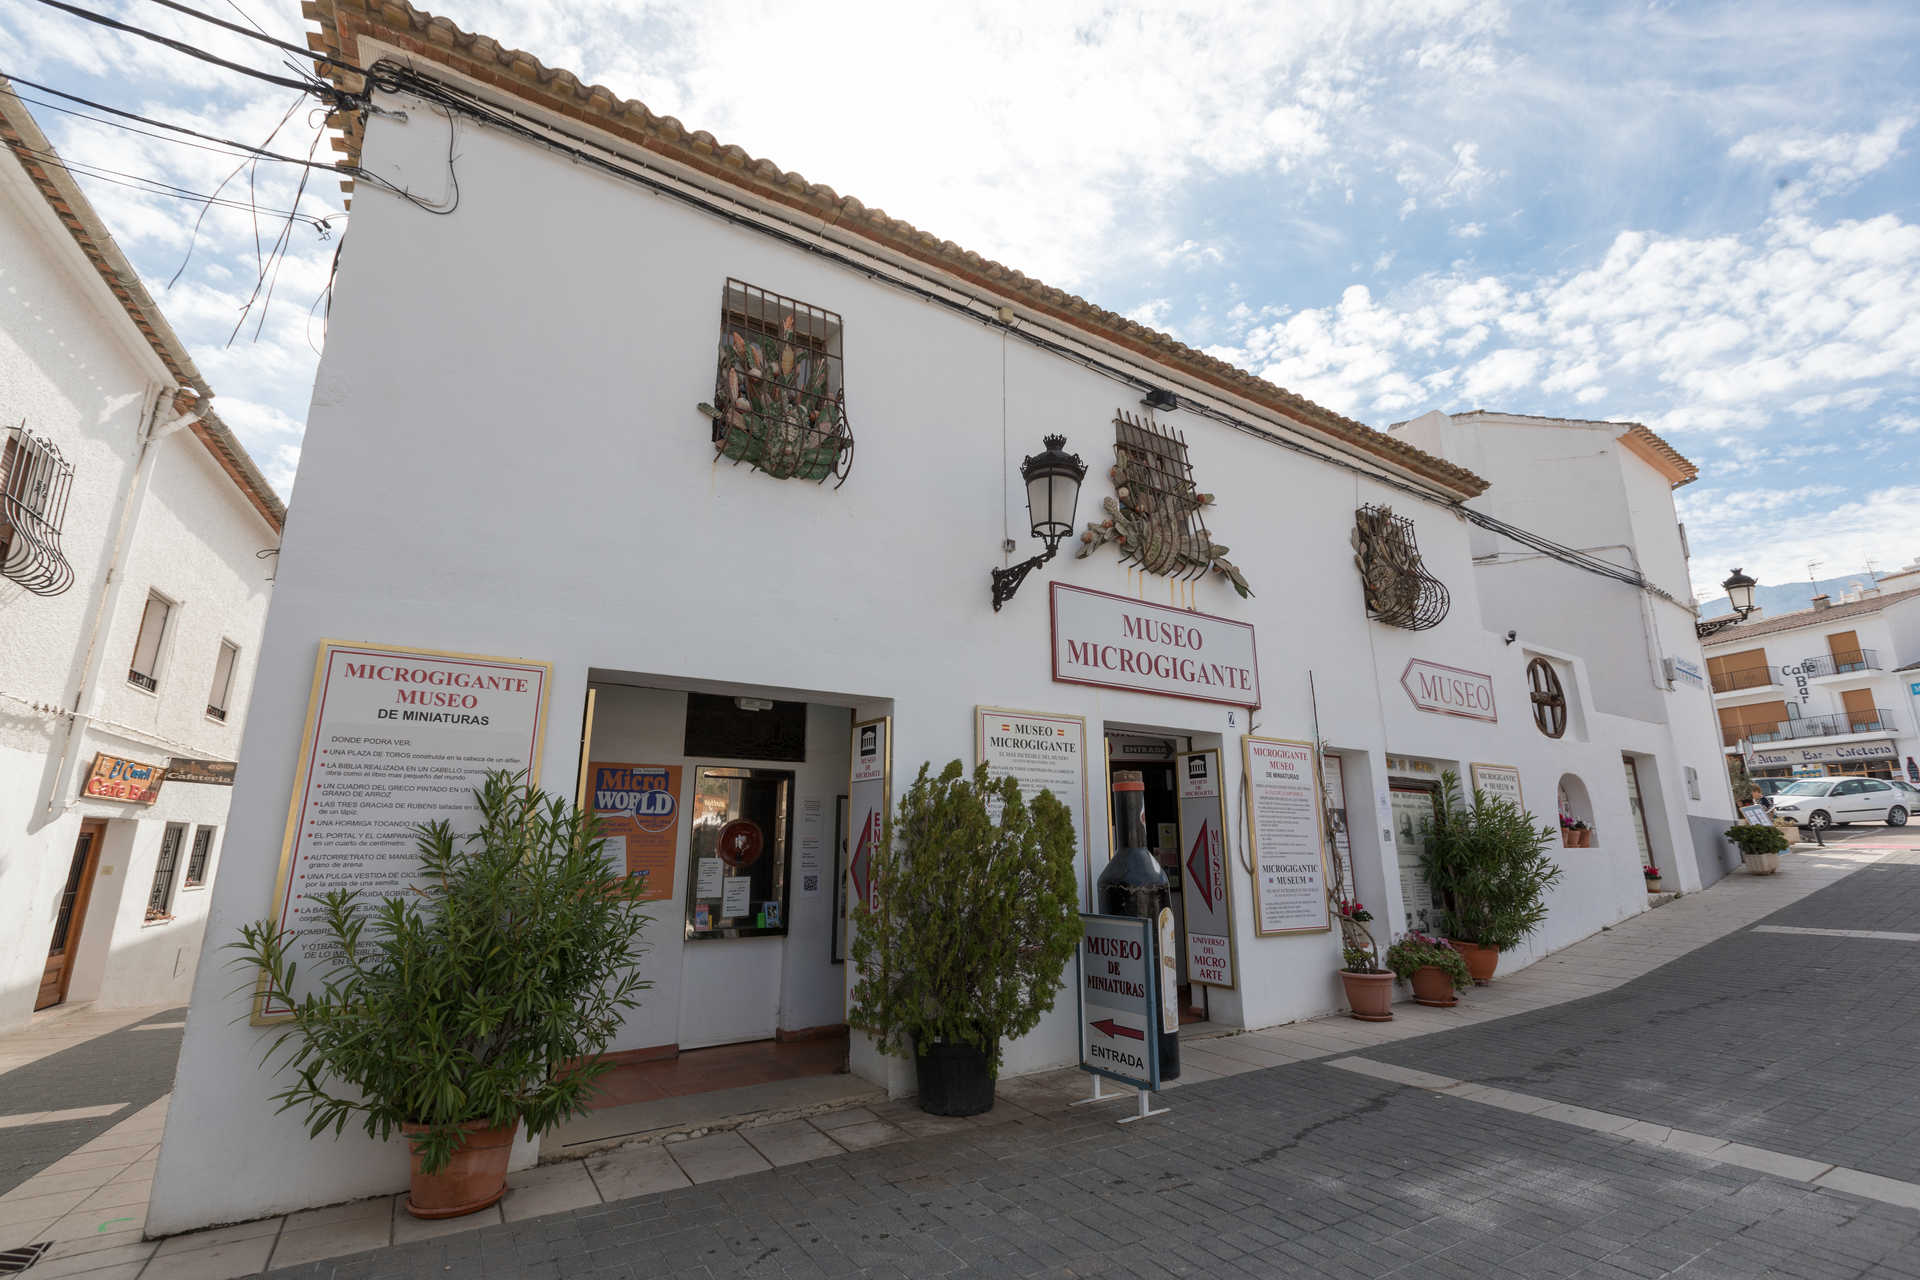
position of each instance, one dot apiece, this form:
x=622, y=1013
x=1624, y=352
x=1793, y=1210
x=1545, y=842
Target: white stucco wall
x=503, y=457
x=75, y=370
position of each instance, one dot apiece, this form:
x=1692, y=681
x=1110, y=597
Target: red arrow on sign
x=1200, y=868
x=1108, y=1027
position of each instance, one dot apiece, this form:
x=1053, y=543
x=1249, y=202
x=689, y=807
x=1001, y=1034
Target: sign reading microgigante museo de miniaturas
x=1040, y=753
x=1118, y=643
x=394, y=738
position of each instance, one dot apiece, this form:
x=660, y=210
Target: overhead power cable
x=258, y=34
x=312, y=85
x=154, y=187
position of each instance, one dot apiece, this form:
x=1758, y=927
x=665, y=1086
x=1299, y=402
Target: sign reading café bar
x=395, y=737
x=1119, y=643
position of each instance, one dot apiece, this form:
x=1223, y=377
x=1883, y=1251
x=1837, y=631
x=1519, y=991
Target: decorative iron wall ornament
x=779, y=404
x=34, y=483
x=1549, y=699
x=1399, y=590
x=1154, y=516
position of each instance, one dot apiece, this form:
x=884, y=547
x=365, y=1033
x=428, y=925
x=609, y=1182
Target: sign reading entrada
x=1449, y=691
x=1119, y=643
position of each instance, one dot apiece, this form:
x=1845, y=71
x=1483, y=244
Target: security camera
x=1512, y=636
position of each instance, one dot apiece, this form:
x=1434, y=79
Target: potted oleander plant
x=1760, y=846
x=1488, y=864
x=1434, y=969
x=473, y=1004
x=972, y=924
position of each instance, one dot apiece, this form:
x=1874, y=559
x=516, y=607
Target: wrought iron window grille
x=35, y=481
x=216, y=713
x=1548, y=698
x=1154, y=517
x=1399, y=591
x=150, y=683
x=779, y=401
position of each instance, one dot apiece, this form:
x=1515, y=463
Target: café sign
x=1120, y=643
x=1844, y=753
x=113, y=778
x=1449, y=691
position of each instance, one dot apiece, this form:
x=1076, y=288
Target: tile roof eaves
x=1808, y=617
x=394, y=22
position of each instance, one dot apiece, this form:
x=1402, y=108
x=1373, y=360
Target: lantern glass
x=1053, y=490
x=1739, y=589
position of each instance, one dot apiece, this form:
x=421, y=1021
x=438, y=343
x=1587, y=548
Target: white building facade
x=1820, y=692
x=132, y=594
x=506, y=457
x=1604, y=489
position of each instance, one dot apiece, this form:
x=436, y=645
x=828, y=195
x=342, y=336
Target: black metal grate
x=14, y=1261
x=197, y=863
x=160, y=901
x=217, y=713
x=150, y=683
x=1159, y=495
x=34, y=483
x=779, y=402
x=1399, y=590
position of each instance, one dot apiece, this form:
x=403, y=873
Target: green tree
x=975, y=920
x=1490, y=866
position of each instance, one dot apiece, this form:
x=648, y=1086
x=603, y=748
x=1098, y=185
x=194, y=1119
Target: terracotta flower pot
x=1369, y=995
x=1432, y=986
x=1655, y=884
x=1481, y=961
x=475, y=1178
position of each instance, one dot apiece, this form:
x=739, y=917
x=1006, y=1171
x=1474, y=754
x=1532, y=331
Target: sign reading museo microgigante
x=1449, y=691
x=1118, y=970
x=395, y=737
x=1119, y=643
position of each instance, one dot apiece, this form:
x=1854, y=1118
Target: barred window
x=34, y=483
x=160, y=901
x=779, y=402
x=197, y=861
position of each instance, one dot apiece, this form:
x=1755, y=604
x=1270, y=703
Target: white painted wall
x=75, y=369
x=503, y=457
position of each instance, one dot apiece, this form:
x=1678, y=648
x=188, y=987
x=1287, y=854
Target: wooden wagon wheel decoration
x=1549, y=699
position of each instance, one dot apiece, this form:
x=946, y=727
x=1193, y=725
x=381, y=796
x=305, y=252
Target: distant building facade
x=132, y=593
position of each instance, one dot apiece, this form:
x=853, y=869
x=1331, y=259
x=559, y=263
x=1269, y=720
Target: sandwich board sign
x=1119, y=1005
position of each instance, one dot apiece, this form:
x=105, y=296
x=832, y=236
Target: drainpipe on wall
x=188, y=408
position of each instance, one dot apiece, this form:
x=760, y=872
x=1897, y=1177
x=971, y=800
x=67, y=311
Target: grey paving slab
x=130, y=1067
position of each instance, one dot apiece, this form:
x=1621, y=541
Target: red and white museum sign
x=1120, y=643
x=1449, y=691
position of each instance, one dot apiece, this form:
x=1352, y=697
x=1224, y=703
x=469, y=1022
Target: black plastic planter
x=955, y=1080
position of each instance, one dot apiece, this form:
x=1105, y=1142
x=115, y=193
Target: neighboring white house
x=507, y=455
x=132, y=592
x=1606, y=489
x=1821, y=691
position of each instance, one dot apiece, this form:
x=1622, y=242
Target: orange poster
x=639, y=808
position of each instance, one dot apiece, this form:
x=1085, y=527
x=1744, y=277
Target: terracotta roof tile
x=1767, y=625
x=343, y=22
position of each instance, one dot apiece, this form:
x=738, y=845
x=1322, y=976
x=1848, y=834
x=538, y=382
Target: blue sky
x=1698, y=216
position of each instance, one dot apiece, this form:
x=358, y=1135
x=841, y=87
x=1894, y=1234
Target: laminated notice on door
x=736, y=898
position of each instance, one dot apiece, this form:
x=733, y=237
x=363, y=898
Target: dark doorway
x=70, y=912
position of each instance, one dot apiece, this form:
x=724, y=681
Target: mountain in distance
x=1787, y=597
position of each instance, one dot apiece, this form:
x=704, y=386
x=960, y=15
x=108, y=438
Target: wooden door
x=1862, y=715
x=1637, y=804
x=70, y=912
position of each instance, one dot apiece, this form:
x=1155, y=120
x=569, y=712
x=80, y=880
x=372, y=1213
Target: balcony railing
x=1875, y=720
x=145, y=681
x=1745, y=678
x=217, y=713
x=1839, y=664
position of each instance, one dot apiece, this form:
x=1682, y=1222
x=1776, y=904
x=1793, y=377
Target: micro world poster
x=639, y=808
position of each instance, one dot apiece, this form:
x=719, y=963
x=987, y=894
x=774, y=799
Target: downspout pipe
x=186, y=407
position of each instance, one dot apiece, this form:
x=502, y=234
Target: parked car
x=1833, y=802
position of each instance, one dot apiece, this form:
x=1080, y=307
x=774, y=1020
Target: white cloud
x=1829, y=163
x=1773, y=533
x=1468, y=230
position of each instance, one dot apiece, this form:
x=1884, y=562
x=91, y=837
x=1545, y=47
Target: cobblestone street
x=1732, y=1078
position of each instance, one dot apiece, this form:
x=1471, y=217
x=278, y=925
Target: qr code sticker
x=810, y=884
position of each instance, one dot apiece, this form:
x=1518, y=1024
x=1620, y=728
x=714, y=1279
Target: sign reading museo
x=1449, y=691
x=1118, y=643
x=395, y=737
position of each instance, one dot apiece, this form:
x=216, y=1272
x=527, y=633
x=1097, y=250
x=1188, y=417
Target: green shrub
x=485, y=994
x=1418, y=951
x=1489, y=864
x=1756, y=839
x=975, y=922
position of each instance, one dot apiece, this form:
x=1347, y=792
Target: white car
x=1829, y=802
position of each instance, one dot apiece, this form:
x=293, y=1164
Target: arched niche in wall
x=1576, y=813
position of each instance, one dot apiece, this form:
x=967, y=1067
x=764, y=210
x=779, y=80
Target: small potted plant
x=477, y=1001
x=1489, y=867
x=1434, y=969
x=1654, y=882
x=1760, y=847
x=1368, y=987
x=975, y=923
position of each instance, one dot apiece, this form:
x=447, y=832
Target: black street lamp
x=1739, y=589
x=1053, y=491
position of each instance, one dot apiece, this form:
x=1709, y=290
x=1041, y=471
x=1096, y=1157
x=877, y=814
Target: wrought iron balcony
x=145, y=681
x=1745, y=678
x=1839, y=664
x=217, y=713
x=1873, y=720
